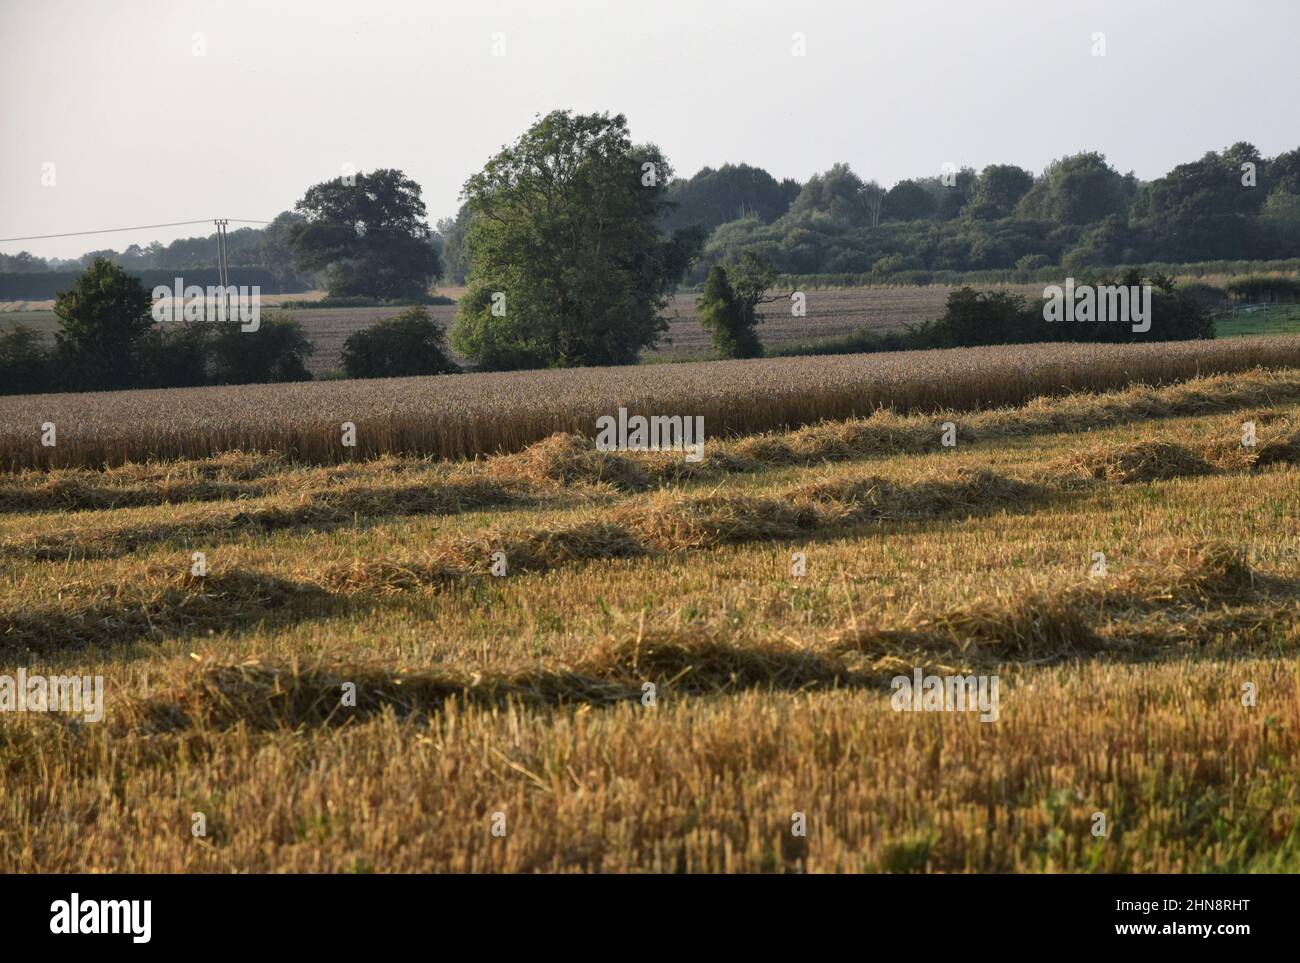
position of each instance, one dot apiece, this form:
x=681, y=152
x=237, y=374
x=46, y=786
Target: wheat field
x=462, y=416
x=499, y=718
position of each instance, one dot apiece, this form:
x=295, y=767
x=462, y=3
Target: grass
x=1271, y=319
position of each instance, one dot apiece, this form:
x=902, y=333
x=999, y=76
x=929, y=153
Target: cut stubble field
x=522, y=694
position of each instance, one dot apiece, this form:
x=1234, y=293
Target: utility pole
x=223, y=266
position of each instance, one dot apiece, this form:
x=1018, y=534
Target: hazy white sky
x=142, y=131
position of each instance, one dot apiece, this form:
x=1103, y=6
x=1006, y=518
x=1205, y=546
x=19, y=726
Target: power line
x=114, y=230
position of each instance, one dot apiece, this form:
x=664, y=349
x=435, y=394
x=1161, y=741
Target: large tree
x=908, y=201
x=843, y=195
x=733, y=191
x=368, y=234
x=1079, y=189
x=1000, y=188
x=101, y=317
x=568, y=266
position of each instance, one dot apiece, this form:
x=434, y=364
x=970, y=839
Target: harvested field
x=459, y=416
x=523, y=691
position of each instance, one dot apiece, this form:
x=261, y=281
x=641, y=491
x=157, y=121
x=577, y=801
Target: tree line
x=572, y=239
x=1078, y=212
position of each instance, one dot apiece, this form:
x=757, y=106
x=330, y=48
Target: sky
x=118, y=113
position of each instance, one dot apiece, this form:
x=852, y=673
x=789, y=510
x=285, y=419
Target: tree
x=908, y=201
x=728, y=306
x=455, y=258
x=101, y=318
x=999, y=190
x=1109, y=242
x=568, y=266
x=1208, y=188
x=369, y=238
x=842, y=195
x=21, y=262
x=409, y=344
x=278, y=254
x=1080, y=189
x=24, y=362
x=733, y=191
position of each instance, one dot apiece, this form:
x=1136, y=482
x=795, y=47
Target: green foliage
x=988, y=317
x=842, y=196
x=25, y=366
x=359, y=301
x=908, y=201
x=278, y=254
x=1208, y=296
x=455, y=256
x=1045, y=274
x=275, y=352
x=728, y=306
x=1109, y=242
x=175, y=357
x=1209, y=187
x=409, y=344
x=101, y=318
x=999, y=317
x=370, y=238
x=565, y=232
x=733, y=191
x=953, y=197
x=1263, y=287
x=1080, y=189
x=999, y=190
x=862, y=341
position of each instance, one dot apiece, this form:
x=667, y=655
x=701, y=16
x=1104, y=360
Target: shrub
x=409, y=344
x=173, y=357
x=893, y=263
x=276, y=351
x=1264, y=288
x=26, y=366
x=1207, y=295
x=988, y=317
x=728, y=306
x=1033, y=262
